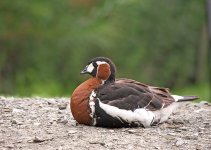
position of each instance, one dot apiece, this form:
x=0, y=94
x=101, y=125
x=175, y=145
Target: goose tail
x=184, y=98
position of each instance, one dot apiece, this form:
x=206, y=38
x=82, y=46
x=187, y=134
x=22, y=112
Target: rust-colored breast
x=80, y=101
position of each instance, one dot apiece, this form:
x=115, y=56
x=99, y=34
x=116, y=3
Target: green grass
x=203, y=91
x=53, y=89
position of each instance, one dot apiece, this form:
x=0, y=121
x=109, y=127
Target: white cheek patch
x=90, y=68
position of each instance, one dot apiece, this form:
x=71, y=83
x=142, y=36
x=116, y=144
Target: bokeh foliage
x=45, y=44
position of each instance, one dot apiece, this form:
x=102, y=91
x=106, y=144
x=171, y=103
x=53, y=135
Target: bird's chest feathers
x=80, y=100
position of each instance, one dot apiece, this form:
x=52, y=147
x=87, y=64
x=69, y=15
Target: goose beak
x=84, y=71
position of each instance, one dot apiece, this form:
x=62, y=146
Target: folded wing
x=129, y=95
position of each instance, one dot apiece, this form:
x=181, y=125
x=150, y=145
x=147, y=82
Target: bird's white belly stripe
x=139, y=115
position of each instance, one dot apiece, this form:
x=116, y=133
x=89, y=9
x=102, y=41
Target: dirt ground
x=46, y=123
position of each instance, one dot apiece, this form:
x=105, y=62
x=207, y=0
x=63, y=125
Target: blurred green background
x=45, y=44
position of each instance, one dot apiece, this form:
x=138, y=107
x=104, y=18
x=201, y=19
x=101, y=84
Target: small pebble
x=62, y=120
x=178, y=121
x=191, y=137
x=1, y=122
x=72, y=131
x=169, y=121
x=10, y=146
x=38, y=139
x=16, y=122
x=183, y=128
x=131, y=131
x=7, y=110
x=172, y=134
x=97, y=142
x=37, y=123
x=157, y=147
x=179, y=142
x=62, y=106
x=130, y=147
x=2, y=141
x=204, y=102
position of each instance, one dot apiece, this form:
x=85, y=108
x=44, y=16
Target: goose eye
x=95, y=64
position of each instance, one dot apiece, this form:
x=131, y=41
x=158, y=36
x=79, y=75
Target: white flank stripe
x=139, y=115
x=92, y=106
x=177, y=97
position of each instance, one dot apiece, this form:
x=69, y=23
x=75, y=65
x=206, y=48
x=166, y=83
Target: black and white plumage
x=125, y=102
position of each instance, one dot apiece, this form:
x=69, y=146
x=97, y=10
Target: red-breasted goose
x=106, y=101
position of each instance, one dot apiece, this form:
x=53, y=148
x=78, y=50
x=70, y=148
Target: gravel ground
x=46, y=123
